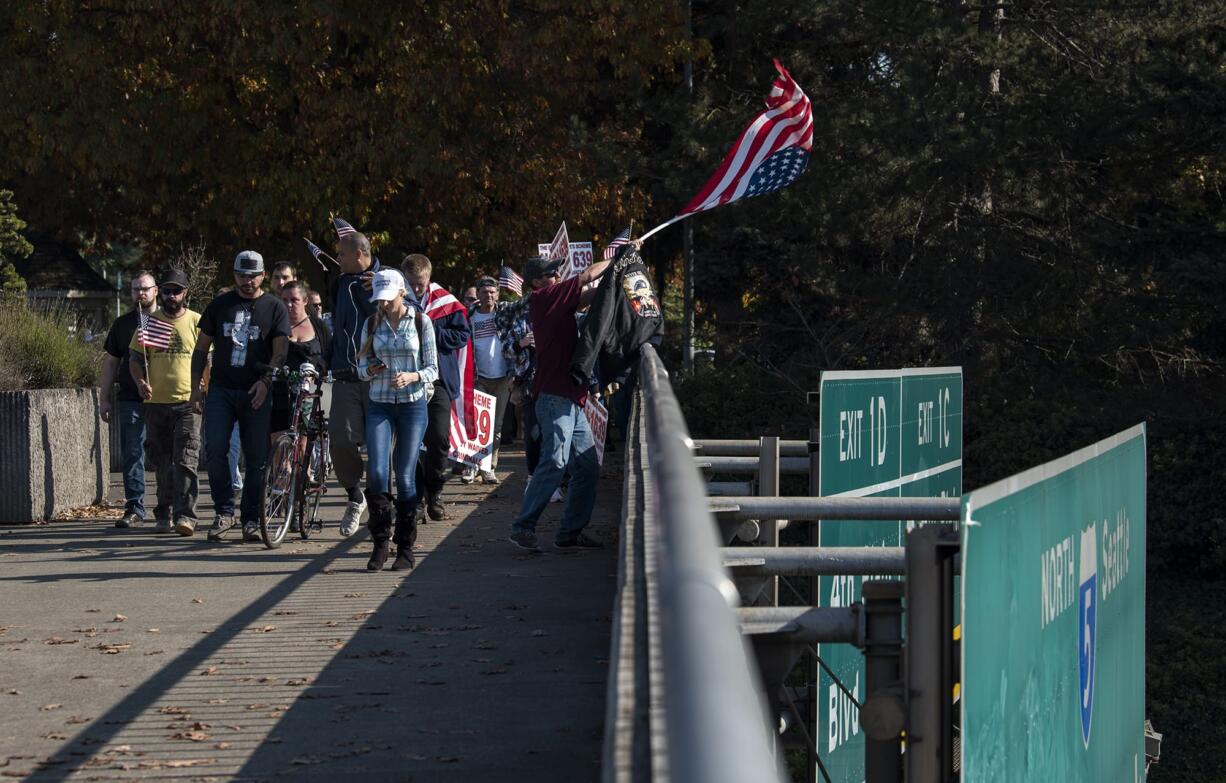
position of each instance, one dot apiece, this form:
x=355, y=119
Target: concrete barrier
x=54, y=453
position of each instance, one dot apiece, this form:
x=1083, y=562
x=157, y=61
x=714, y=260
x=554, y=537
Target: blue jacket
x=351, y=306
x=451, y=333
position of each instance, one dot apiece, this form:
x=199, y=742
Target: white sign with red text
x=598, y=420
x=578, y=258
x=475, y=452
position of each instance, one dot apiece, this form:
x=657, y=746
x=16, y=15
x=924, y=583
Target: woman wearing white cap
x=399, y=359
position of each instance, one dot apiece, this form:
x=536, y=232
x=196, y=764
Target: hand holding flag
x=153, y=333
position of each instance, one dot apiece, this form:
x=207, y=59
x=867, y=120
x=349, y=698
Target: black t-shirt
x=117, y=342
x=242, y=332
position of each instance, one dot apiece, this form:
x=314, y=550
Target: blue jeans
x=566, y=443
x=236, y=443
x=406, y=422
x=223, y=408
x=132, y=454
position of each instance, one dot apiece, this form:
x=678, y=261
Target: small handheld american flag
x=610, y=249
x=343, y=228
x=153, y=333
x=318, y=253
x=512, y=282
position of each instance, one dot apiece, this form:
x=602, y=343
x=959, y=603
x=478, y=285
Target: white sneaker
x=352, y=518
x=468, y=475
x=488, y=477
x=557, y=496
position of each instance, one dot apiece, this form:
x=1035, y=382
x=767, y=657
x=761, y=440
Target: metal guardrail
x=703, y=710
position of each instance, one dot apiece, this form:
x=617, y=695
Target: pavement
x=130, y=655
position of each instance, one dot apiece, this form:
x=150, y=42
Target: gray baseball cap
x=249, y=262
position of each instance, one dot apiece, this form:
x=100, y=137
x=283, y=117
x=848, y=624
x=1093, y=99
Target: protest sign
x=476, y=452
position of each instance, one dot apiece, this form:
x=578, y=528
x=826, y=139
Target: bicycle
x=295, y=478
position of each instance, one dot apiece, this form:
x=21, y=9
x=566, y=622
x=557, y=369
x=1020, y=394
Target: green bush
x=38, y=349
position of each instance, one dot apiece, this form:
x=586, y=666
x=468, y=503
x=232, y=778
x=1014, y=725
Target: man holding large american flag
x=453, y=392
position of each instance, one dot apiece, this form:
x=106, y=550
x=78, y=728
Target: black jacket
x=625, y=314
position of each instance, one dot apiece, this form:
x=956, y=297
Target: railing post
x=883, y=712
x=768, y=486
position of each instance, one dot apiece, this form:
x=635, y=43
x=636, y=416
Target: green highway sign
x=1053, y=619
x=884, y=433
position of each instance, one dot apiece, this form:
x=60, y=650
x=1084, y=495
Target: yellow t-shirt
x=170, y=369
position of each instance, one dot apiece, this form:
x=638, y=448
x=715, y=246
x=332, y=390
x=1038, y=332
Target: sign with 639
x=477, y=452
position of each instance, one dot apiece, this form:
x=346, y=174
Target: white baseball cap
x=387, y=285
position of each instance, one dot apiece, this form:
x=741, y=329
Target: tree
x=12, y=244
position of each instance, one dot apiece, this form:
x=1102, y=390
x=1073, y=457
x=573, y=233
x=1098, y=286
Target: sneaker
x=129, y=519
x=221, y=526
x=581, y=541
x=352, y=518
x=185, y=526
x=468, y=476
x=435, y=508
x=488, y=477
x=251, y=531
x=163, y=526
x=524, y=540
x=557, y=496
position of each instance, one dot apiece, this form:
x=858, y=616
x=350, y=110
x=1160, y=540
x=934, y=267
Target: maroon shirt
x=551, y=311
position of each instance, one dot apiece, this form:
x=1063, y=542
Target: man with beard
x=128, y=406
x=249, y=332
x=161, y=365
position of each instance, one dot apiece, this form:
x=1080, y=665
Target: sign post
x=1053, y=615
x=884, y=433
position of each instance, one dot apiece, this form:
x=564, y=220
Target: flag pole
x=664, y=225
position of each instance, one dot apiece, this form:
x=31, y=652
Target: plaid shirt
x=511, y=320
x=399, y=349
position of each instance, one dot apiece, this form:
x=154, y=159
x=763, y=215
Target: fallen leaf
x=197, y=600
x=54, y=735
x=267, y=629
x=119, y=618
x=173, y=711
x=222, y=745
x=49, y=707
x=154, y=652
x=113, y=649
x=75, y=719
x=93, y=611
x=193, y=736
x=153, y=630
x=447, y=759
x=58, y=640
x=208, y=670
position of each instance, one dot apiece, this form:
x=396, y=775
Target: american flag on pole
x=318, y=253
x=512, y=282
x=153, y=333
x=770, y=154
x=610, y=249
x=440, y=303
x=343, y=229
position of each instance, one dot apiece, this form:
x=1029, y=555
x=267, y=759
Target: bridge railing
x=685, y=701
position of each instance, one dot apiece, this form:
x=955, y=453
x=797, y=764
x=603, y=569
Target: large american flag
x=343, y=228
x=153, y=332
x=512, y=282
x=440, y=303
x=610, y=249
x=771, y=153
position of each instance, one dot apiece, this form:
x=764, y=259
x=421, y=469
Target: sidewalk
x=123, y=655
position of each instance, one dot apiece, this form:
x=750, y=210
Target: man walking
x=495, y=356
x=350, y=395
x=249, y=332
x=161, y=365
x=453, y=343
x=566, y=439
x=128, y=405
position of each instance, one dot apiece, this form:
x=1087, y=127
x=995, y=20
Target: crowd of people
x=403, y=355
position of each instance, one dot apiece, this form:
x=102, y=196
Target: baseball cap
x=386, y=285
x=486, y=281
x=249, y=262
x=173, y=277
x=538, y=266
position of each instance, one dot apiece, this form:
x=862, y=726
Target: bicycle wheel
x=315, y=484
x=279, y=493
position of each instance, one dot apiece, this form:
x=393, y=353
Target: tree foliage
x=12, y=244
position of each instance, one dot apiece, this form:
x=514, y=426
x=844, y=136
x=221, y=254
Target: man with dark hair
x=249, y=332
x=350, y=395
x=495, y=357
x=452, y=341
x=282, y=272
x=161, y=365
x=128, y=406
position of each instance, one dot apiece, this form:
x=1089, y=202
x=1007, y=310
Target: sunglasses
x=171, y=290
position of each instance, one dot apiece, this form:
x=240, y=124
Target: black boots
x=379, y=522
x=406, y=533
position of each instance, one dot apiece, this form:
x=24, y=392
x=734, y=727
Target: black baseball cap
x=539, y=266
x=173, y=277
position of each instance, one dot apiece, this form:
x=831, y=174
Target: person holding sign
x=566, y=437
x=491, y=347
x=399, y=359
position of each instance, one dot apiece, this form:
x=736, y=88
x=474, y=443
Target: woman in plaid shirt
x=399, y=359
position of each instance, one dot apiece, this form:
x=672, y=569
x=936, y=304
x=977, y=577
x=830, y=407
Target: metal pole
x=814, y=561
x=815, y=489
x=687, y=231
x=790, y=465
x=883, y=713
x=721, y=447
x=802, y=509
x=768, y=486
